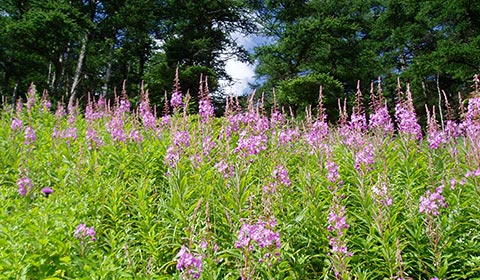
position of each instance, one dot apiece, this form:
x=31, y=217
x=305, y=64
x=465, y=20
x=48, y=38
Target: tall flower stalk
x=337, y=227
x=430, y=207
x=405, y=115
x=259, y=244
x=338, y=254
x=85, y=235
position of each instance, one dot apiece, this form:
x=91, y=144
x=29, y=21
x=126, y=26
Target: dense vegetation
x=71, y=48
x=116, y=193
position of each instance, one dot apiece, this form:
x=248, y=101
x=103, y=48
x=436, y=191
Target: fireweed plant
x=115, y=190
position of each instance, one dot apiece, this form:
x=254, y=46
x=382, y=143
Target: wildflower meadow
x=118, y=191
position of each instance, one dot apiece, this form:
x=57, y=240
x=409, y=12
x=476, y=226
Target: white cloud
x=242, y=74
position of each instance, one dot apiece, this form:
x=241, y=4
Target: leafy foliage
x=152, y=196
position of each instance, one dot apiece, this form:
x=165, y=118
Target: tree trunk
x=78, y=71
x=51, y=77
x=5, y=82
x=440, y=101
x=108, y=74
x=15, y=95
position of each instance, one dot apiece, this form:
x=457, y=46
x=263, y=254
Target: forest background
x=73, y=48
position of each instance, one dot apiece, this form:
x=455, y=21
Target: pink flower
x=17, y=124
x=381, y=119
x=430, y=203
x=83, y=231
x=176, y=100
x=47, y=191
x=24, y=186
x=259, y=234
x=30, y=135
x=206, y=109
x=332, y=169
x=189, y=263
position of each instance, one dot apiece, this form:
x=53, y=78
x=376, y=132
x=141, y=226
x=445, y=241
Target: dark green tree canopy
x=430, y=44
x=71, y=48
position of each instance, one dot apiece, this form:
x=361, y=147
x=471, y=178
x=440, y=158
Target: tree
x=198, y=41
x=22, y=50
x=72, y=48
x=311, y=38
x=307, y=89
x=433, y=45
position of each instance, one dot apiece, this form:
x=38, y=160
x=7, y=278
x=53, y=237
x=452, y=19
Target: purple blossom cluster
x=262, y=124
x=69, y=134
x=31, y=97
x=60, y=112
x=25, y=185
x=188, y=263
x=352, y=136
x=276, y=119
x=148, y=118
x=17, y=124
x=431, y=202
x=249, y=145
x=207, y=145
x=251, y=120
x=47, y=191
x=463, y=181
x=30, y=136
x=172, y=156
x=248, y=123
x=358, y=122
x=472, y=173
x=380, y=195
x=452, y=129
x=337, y=224
x=317, y=134
x=234, y=122
x=381, y=120
x=181, y=140
x=287, y=136
x=332, y=169
x=471, y=123
x=19, y=106
x=206, y=110
x=225, y=169
x=259, y=235
x=435, y=136
x=280, y=175
x=93, y=140
x=176, y=100
x=165, y=121
x=407, y=120
x=82, y=232
x=135, y=136
x=46, y=104
x=365, y=157
x=196, y=160
x=436, y=139
x=93, y=111
x=116, y=127
x=123, y=105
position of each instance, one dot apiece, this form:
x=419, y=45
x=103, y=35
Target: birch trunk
x=108, y=73
x=15, y=95
x=78, y=71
